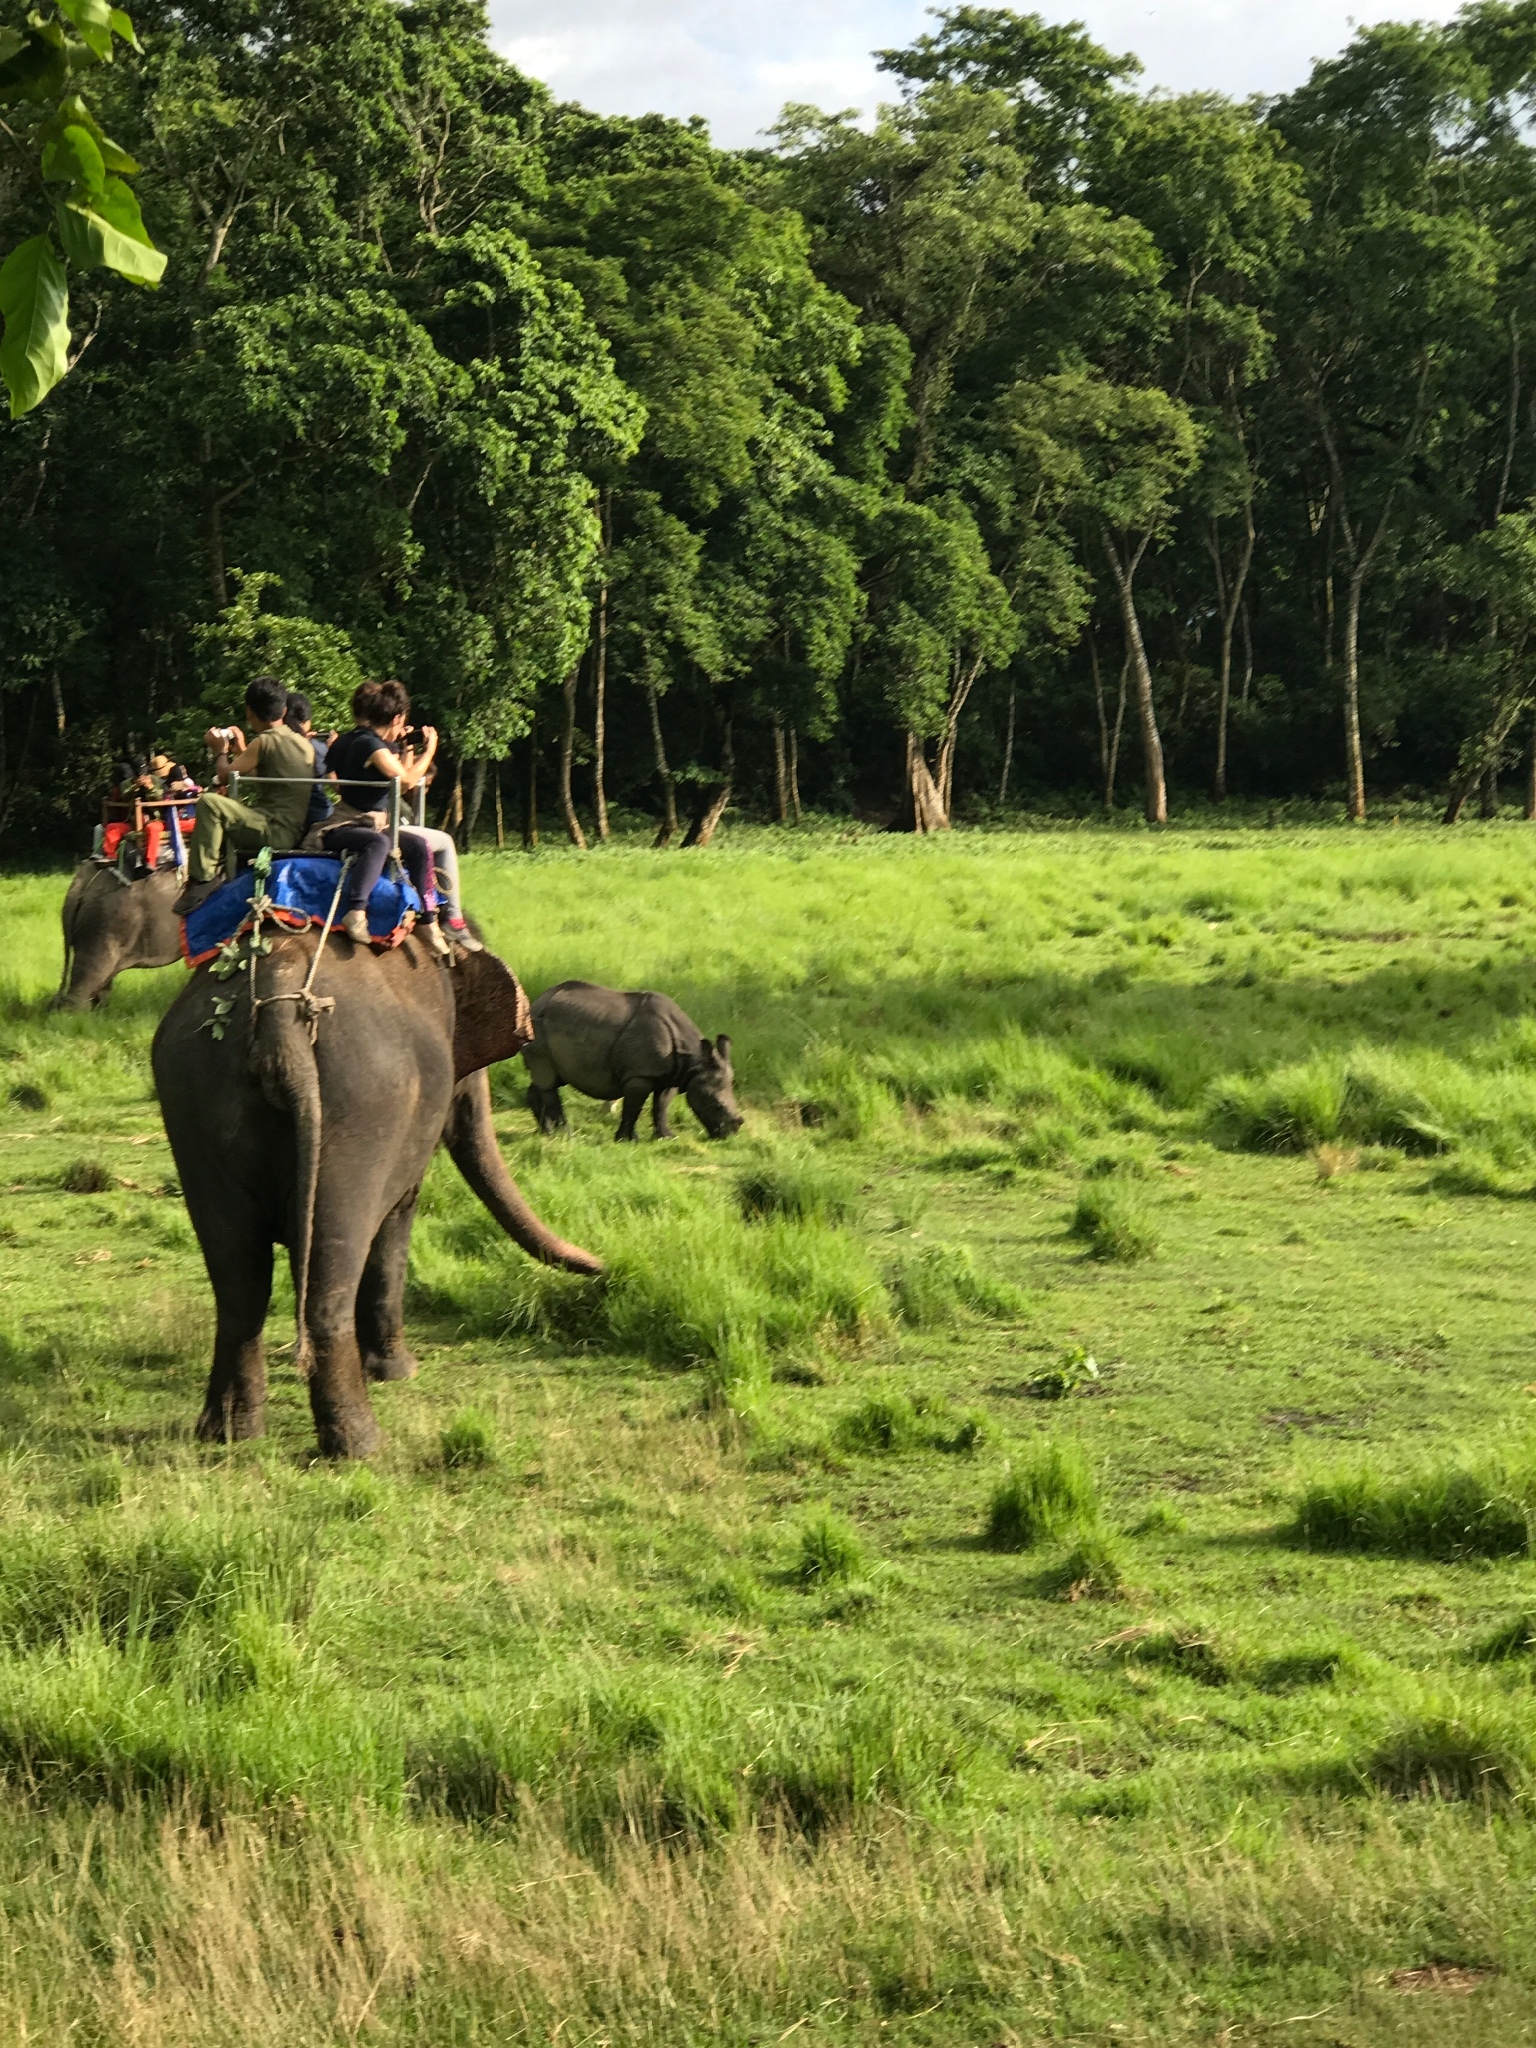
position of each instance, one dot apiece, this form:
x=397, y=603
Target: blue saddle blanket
x=301, y=888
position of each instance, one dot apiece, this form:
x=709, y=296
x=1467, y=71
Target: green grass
x=658, y=1681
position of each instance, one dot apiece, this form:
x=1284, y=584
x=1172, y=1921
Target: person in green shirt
x=275, y=811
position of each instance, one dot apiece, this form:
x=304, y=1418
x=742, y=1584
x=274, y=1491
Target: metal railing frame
x=396, y=797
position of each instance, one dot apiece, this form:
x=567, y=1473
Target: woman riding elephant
x=310, y=1122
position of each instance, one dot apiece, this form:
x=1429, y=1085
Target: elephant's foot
x=395, y=1364
x=352, y=1436
x=230, y=1422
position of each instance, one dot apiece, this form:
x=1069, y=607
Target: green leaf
x=93, y=20
x=93, y=242
x=73, y=112
x=39, y=70
x=11, y=42
x=74, y=158
x=122, y=26
x=34, y=298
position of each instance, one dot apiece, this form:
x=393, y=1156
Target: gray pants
x=445, y=858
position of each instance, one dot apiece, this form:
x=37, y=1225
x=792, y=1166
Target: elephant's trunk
x=471, y=1141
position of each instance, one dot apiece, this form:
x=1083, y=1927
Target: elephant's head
x=710, y=1092
x=490, y=1014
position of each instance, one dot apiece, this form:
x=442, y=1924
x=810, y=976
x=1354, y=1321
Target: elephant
x=614, y=1045
x=110, y=924
x=305, y=1112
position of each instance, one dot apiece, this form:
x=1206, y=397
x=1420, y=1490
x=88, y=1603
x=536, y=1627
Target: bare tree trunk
x=1124, y=574
x=453, y=808
x=794, y=773
x=922, y=806
x=1002, y=786
x=1106, y=780
x=1247, y=652
x=714, y=798
x=567, y=754
x=1489, y=805
x=1231, y=600
x=476, y=799
x=668, y=828
x=944, y=776
x=1117, y=734
x=501, y=833
x=780, y=777
x=531, y=791
x=600, y=714
x=56, y=691
x=1354, y=756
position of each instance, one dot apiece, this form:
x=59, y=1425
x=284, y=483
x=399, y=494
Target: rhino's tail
x=283, y=1060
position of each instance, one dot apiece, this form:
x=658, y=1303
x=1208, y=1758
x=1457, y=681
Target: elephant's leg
x=634, y=1102
x=238, y=1254
x=338, y=1395
x=664, y=1099
x=381, y=1297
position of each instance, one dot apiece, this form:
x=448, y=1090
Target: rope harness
x=311, y=1007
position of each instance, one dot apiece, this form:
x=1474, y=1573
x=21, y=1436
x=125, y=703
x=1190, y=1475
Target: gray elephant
x=310, y=1122
x=110, y=924
x=629, y=1045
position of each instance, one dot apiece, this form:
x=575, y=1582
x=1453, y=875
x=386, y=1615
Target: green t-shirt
x=282, y=751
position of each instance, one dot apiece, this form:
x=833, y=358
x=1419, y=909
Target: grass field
x=1030, y=1543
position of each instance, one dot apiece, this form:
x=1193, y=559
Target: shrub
x=1073, y=1370
x=1046, y=1492
x=27, y=1095
x=800, y=1186
x=938, y=1283
x=1113, y=1224
x=827, y=1550
x=1449, y=1753
x=86, y=1177
x=1439, y=1511
x=469, y=1442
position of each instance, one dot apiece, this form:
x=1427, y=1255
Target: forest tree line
x=1045, y=438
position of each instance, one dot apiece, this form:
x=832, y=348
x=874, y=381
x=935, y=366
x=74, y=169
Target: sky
x=737, y=61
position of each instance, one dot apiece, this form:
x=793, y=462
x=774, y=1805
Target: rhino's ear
x=490, y=1013
x=723, y=1048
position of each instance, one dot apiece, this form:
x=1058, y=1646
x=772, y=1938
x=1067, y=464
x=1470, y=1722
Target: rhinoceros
x=627, y=1045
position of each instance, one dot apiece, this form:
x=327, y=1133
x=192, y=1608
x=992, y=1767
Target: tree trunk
x=1231, y=602
x=531, y=790
x=1106, y=780
x=668, y=828
x=780, y=778
x=1354, y=757
x=453, y=809
x=476, y=799
x=944, y=771
x=1013, y=705
x=1124, y=574
x=1530, y=780
x=715, y=797
x=567, y=754
x=794, y=773
x=1489, y=805
x=922, y=808
x=56, y=691
x=1117, y=734
x=600, y=714
x=501, y=832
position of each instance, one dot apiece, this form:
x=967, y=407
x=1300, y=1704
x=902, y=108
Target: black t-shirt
x=319, y=803
x=351, y=761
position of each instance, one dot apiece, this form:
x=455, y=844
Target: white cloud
x=737, y=61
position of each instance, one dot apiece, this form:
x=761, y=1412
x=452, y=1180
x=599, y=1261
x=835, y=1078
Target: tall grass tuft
x=1113, y=1223
x=800, y=1186
x=1046, y=1492
x=828, y=1550
x=1452, y=1752
x=1441, y=1511
x=469, y=1442
x=935, y=1284
x=889, y=1421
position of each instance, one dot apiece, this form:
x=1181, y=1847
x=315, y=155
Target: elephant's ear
x=490, y=1015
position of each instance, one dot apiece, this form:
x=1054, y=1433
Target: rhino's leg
x=547, y=1107
x=664, y=1099
x=381, y=1297
x=634, y=1102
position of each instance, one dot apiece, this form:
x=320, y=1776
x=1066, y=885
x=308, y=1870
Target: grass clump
x=1046, y=1492
x=1073, y=1372
x=1445, y=1512
x=1450, y=1753
x=890, y=1420
x=1307, y=1664
x=800, y=1186
x=1113, y=1224
x=1188, y=1652
x=936, y=1284
x=1093, y=1569
x=469, y=1442
x=86, y=1177
x=1513, y=1638
x=828, y=1551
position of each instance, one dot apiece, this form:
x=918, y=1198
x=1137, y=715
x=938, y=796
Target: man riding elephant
x=303, y=1100
x=273, y=814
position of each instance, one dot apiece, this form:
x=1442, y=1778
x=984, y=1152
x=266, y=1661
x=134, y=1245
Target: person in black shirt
x=300, y=717
x=362, y=763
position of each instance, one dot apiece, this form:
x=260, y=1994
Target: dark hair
x=129, y=769
x=299, y=709
x=266, y=699
x=378, y=703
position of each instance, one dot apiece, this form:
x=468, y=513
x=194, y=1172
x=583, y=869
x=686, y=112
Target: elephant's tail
x=69, y=916
x=283, y=1058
